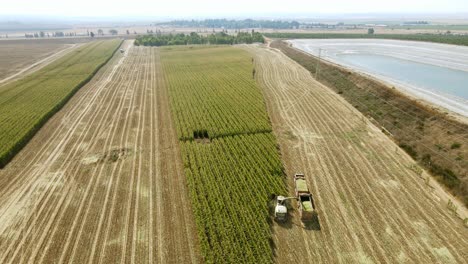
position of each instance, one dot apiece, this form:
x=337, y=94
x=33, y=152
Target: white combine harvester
x=281, y=211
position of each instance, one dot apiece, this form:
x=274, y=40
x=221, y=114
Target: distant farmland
x=25, y=105
x=17, y=54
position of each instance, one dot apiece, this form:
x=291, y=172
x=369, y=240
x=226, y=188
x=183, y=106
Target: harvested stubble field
x=102, y=181
x=372, y=205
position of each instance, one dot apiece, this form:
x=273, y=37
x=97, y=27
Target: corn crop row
x=213, y=90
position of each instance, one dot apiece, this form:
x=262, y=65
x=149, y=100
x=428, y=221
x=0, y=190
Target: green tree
x=370, y=31
x=193, y=38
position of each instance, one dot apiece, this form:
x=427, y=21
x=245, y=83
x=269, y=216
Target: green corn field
x=230, y=155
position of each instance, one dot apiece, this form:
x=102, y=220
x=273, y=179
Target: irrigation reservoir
x=437, y=73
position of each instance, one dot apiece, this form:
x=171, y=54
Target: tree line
x=194, y=38
x=58, y=34
x=43, y=34
x=234, y=24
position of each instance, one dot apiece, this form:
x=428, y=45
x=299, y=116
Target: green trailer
x=306, y=204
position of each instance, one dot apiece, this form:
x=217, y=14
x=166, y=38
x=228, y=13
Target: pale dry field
x=372, y=206
x=22, y=56
x=102, y=181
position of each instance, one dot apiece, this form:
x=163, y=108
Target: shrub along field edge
x=220, y=38
x=10, y=154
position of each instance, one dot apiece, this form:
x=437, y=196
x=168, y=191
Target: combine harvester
x=281, y=211
x=306, y=204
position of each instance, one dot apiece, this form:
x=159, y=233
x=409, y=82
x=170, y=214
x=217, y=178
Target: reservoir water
x=435, y=78
x=436, y=73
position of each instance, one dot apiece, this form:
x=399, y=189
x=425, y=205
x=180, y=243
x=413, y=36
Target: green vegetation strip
x=230, y=156
x=437, y=38
x=194, y=38
x=436, y=141
x=431, y=27
x=26, y=104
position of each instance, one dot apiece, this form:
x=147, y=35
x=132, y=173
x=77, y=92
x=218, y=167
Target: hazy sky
x=217, y=8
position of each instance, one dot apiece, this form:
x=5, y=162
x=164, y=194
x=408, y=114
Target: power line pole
x=318, y=64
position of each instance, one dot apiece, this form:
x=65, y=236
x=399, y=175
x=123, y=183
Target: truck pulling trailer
x=305, y=200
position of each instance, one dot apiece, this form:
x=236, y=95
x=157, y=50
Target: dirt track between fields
x=102, y=181
x=373, y=207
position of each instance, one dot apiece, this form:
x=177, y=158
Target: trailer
x=305, y=200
